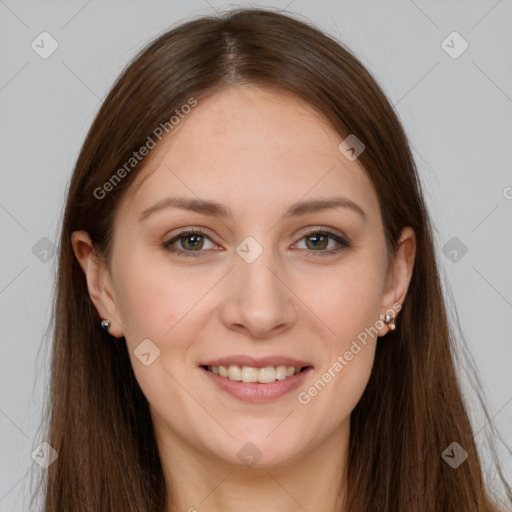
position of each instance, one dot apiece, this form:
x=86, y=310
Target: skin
x=257, y=152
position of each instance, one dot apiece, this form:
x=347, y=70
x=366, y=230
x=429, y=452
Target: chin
x=261, y=451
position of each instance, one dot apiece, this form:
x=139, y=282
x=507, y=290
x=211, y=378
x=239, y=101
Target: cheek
x=153, y=299
x=340, y=381
x=348, y=300
x=349, y=305
x=156, y=303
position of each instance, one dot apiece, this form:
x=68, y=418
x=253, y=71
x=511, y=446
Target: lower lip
x=255, y=392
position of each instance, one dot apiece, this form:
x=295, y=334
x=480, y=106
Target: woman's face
x=271, y=281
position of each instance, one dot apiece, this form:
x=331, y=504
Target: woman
x=249, y=312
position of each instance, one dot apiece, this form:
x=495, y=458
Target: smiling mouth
x=250, y=374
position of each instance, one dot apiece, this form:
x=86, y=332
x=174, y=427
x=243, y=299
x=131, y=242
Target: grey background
x=457, y=114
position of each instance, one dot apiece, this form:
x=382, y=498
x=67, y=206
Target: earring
x=390, y=322
x=105, y=324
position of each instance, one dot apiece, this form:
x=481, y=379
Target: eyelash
x=343, y=243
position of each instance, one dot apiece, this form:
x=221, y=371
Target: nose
x=258, y=300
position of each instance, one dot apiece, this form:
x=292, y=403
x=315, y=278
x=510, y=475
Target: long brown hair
x=97, y=418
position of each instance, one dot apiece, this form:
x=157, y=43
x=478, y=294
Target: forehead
x=252, y=146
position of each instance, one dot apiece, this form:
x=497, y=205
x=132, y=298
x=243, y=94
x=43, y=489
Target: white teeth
x=281, y=372
x=264, y=375
x=234, y=372
x=249, y=374
x=267, y=374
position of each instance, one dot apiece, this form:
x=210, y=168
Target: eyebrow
x=212, y=208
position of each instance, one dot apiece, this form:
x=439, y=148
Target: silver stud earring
x=105, y=324
x=390, y=322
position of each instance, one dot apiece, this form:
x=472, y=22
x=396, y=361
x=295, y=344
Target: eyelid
x=328, y=231
x=167, y=244
x=343, y=241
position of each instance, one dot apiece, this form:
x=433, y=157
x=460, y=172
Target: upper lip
x=255, y=362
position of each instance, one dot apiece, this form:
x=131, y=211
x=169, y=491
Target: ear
x=99, y=283
x=399, y=275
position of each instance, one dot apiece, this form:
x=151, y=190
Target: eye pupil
x=192, y=243
x=195, y=244
x=315, y=245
